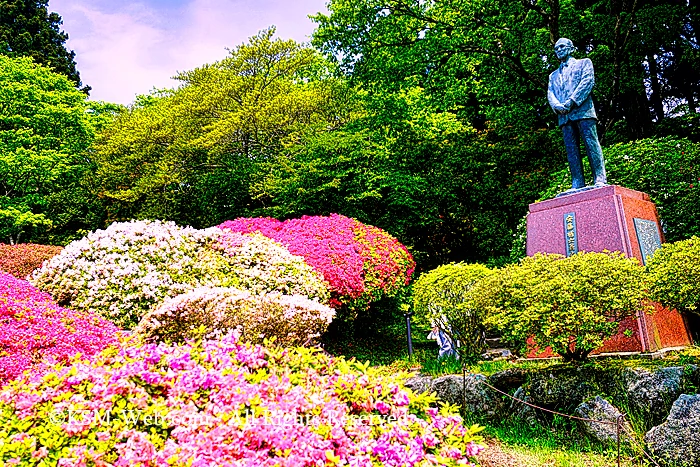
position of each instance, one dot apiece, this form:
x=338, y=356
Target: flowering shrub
x=361, y=263
x=208, y=312
x=227, y=404
x=569, y=304
x=260, y=264
x=121, y=272
x=35, y=332
x=131, y=267
x=21, y=259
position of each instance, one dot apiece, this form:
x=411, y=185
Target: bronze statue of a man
x=569, y=95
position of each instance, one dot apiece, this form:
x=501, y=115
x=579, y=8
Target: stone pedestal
x=609, y=218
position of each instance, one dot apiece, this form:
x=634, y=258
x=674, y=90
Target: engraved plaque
x=570, y=238
x=648, y=237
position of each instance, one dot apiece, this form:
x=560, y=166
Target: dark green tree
x=488, y=59
x=46, y=128
x=28, y=29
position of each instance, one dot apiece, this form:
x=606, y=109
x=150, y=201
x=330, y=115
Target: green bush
x=570, y=304
x=442, y=297
x=674, y=275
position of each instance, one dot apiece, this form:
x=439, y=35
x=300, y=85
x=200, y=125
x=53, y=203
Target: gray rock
x=419, y=384
x=603, y=411
x=480, y=400
x=521, y=410
x=677, y=440
x=563, y=390
x=508, y=379
x=651, y=393
x=496, y=354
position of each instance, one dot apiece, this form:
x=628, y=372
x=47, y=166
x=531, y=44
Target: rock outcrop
x=677, y=440
x=604, y=427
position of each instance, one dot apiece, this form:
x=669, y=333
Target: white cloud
x=127, y=50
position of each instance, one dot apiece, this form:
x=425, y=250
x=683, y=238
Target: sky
x=126, y=48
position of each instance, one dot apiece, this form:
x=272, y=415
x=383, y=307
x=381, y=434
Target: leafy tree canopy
x=490, y=59
x=180, y=150
x=46, y=127
x=28, y=29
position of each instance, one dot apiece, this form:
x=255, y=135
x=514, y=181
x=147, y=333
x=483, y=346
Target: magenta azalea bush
x=36, y=333
x=226, y=404
x=210, y=312
x=361, y=263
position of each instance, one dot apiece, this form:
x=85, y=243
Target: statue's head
x=564, y=48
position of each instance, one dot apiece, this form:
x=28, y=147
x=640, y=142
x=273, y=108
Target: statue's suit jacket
x=573, y=80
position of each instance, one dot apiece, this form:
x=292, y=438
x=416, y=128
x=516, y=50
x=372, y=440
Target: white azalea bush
x=209, y=312
x=122, y=271
x=261, y=264
x=130, y=268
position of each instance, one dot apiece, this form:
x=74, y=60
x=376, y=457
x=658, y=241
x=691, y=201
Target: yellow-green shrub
x=674, y=275
x=570, y=304
x=442, y=297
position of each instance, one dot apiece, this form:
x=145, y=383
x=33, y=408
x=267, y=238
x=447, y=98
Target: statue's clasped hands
x=563, y=109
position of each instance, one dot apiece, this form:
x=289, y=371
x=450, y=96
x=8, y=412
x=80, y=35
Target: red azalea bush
x=360, y=262
x=35, y=332
x=20, y=260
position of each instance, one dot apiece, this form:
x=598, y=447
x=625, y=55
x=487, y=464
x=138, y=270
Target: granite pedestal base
x=609, y=218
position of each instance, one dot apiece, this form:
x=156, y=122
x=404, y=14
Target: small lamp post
x=408, y=315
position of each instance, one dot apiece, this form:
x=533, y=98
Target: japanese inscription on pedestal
x=570, y=234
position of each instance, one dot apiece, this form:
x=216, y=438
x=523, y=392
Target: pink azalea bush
x=208, y=312
x=361, y=263
x=129, y=268
x=36, y=333
x=226, y=404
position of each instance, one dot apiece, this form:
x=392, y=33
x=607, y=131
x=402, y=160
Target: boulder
x=419, y=384
x=560, y=391
x=521, y=410
x=508, y=379
x=480, y=400
x=651, y=393
x=677, y=440
x=603, y=418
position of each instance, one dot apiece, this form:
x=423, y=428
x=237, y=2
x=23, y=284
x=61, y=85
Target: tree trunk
x=656, y=99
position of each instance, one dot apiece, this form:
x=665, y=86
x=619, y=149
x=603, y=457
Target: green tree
x=441, y=297
x=489, y=60
x=570, y=304
x=190, y=154
x=45, y=129
x=28, y=29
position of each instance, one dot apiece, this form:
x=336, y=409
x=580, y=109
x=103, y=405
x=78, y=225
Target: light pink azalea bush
x=131, y=267
x=361, y=263
x=36, y=333
x=226, y=404
x=209, y=312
